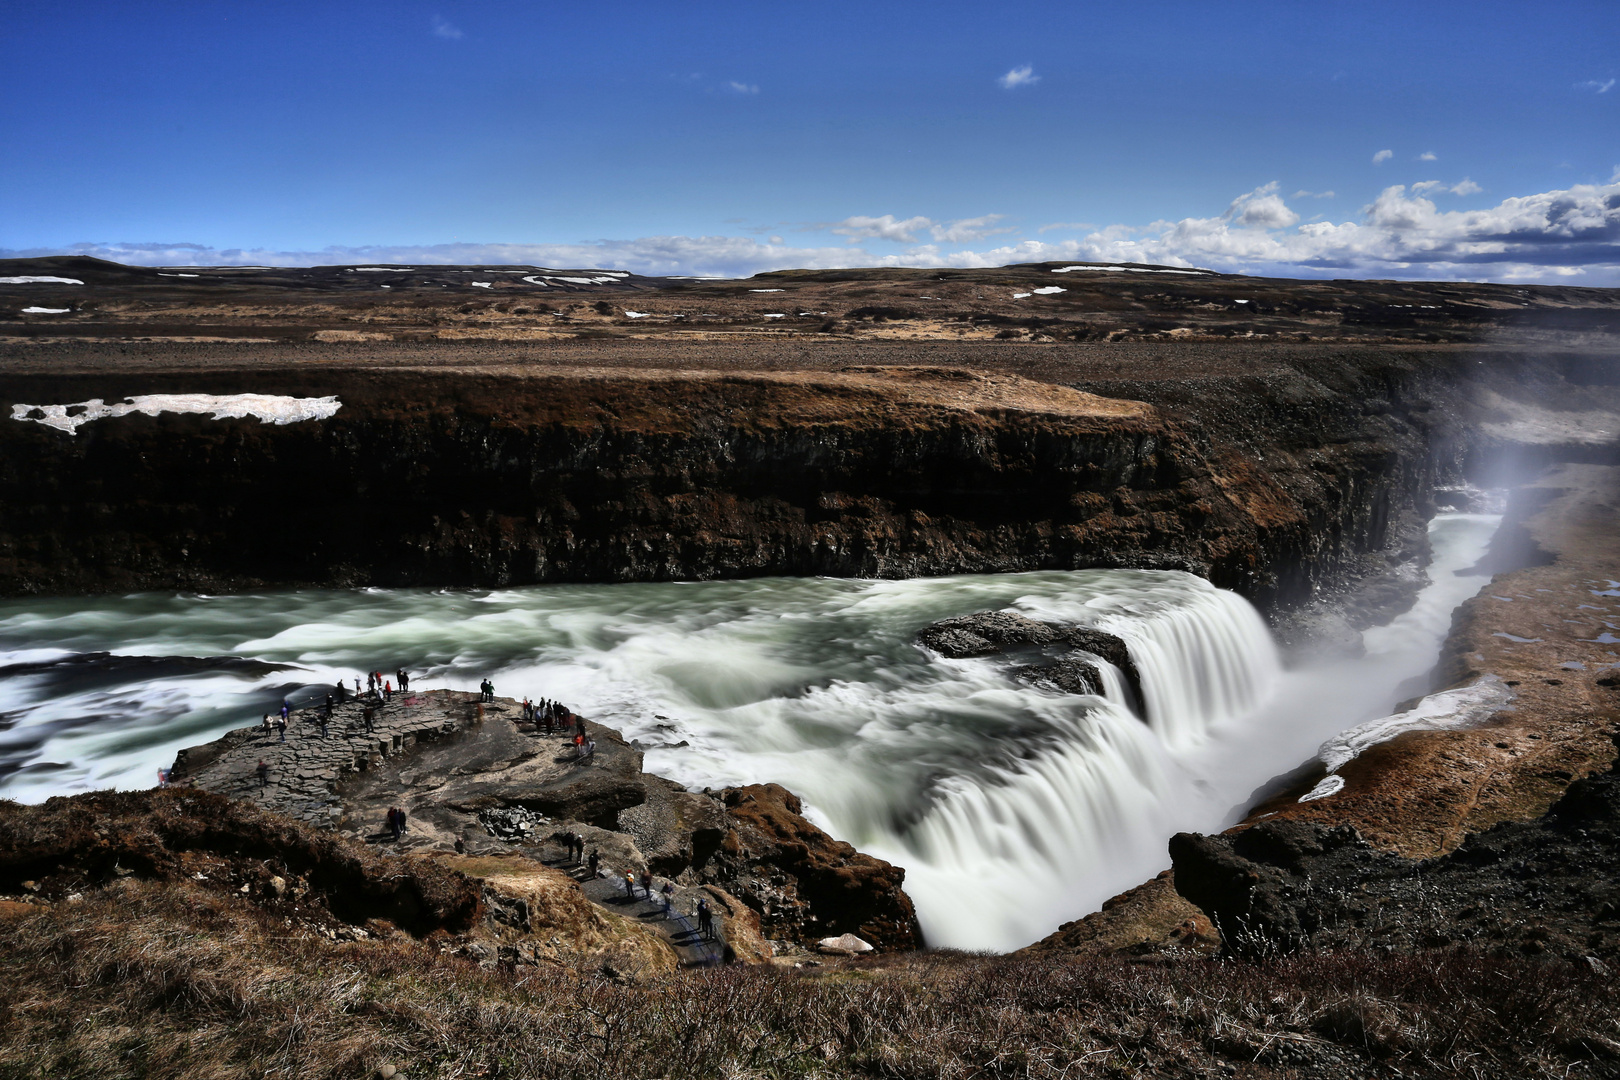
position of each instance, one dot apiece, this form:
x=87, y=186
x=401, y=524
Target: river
x=1012, y=808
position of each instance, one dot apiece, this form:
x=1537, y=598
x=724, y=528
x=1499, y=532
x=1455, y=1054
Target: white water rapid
x=1012, y=807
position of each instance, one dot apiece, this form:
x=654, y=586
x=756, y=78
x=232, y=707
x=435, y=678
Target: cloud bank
x=1570, y=235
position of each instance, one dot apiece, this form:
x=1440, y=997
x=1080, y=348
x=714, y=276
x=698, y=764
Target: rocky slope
x=1520, y=888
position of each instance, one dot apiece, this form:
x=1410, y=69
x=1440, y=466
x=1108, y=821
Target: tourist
x=266, y=725
x=342, y=692
x=286, y=710
x=592, y=863
x=264, y=773
x=388, y=691
x=371, y=682
x=328, y=712
x=281, y=729
x=646, y=883
x=630, y=884
x=357, y=688
x=668, y=893
x=366, y=715
x=705, y=920
x=402, y=822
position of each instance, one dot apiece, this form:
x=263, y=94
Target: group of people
x=378, y=686
x=553, y=715
x=396, y=822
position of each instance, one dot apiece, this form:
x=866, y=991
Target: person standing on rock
x=647, y=883
x=286, y=710
x=264, y=773
x=592, y=863
x=366, y=715
x=668, y=894
x=281, y=729
x=630, y=884
x=342, y=692
x=388, y=691
x=705, y=920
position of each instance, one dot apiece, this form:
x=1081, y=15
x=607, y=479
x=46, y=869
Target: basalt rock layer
x=1277, y=478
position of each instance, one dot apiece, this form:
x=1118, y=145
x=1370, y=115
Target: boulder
x=989, y=633
x=843, y=945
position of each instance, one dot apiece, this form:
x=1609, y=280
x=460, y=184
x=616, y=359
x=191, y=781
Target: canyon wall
x=1277, y=481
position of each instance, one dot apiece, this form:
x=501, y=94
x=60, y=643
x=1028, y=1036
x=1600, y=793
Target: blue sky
x=1352, y=139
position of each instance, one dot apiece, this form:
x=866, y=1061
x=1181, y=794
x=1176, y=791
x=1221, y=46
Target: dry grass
x=154, y=979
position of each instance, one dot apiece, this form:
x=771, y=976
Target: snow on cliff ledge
x=270, y=408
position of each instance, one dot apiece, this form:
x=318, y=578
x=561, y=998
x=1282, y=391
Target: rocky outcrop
x=1542, y=886
x=804, y=884
x=1152, y=919
x=1057, y=654
x=477, y=782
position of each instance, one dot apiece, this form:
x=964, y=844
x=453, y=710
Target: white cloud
x=1018, y=76
x=742, y=88
x=1595, y=86
x=1303, y=194
x=1427, y=155
x=1565, y=235
x=1464, y=186
x=442, y=28
x=1261, y=208
x=886, y=227
x=1382, y=156
x=967, y=230
x=1066, y=226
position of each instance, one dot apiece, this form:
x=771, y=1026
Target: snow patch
x=46, y=310
x=1050, y=290
x=1330, y=784
x=1021, y=295
x=636, y=314
x=1128, y=270
x=162, y=274
x=1449, y=709
x=764, y=290
x=269, y=408
x=481, y=284
x=39, y=279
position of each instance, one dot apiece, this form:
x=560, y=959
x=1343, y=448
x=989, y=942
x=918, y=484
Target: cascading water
x=1011, y=806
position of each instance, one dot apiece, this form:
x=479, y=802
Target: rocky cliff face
x=1275, y=485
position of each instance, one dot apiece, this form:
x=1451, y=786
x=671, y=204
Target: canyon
x=1287, y=441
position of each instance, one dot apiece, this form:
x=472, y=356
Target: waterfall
x=1012, y=807
x=1204, y=655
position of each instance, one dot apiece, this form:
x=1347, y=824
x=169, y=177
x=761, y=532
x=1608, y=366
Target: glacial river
x=1013, y=808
